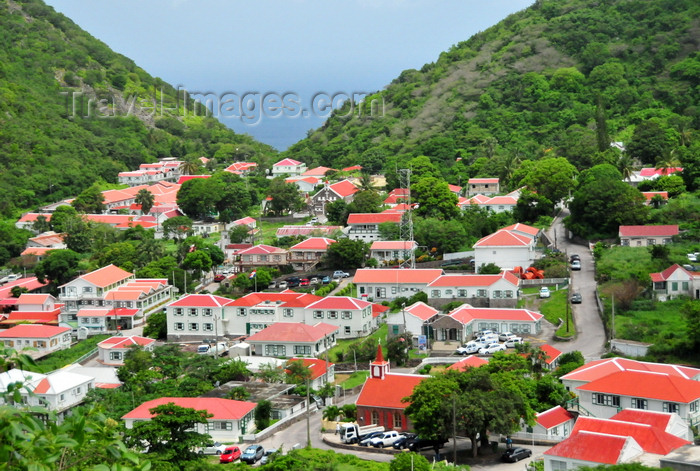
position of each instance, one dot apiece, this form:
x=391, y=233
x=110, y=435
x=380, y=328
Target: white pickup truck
x=217, y=349
x=385, y=439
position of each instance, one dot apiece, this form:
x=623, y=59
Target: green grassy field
x=651, y=325
x=343, y=345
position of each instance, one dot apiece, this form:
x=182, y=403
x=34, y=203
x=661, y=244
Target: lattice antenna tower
x=406, y=226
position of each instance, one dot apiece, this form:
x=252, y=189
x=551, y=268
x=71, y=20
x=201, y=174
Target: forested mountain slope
x=48, y=148
x=561, y=78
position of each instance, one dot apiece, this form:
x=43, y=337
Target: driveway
x=590, y=338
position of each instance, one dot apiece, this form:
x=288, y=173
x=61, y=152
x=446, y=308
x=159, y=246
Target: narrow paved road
x=590, y=339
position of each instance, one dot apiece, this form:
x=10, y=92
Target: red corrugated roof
x=313, y=243
x=650, y=171
x=373, y=218
x=504, y=238
x=106, y=276
x=287, y=298
x=388, y=392
x=472, y=280
x=125, y=342
x=287, y=162
x=393, y=245
x=665, y=275
x=421, y=310
x=344, y=188
x=396, y=275
x=222, y=409
x=651, y=439
x=466, y=314
x=469, y=362
x=551, y=352
x=29, y=331
x=482, y=180
x=293, y=332
x=523, y=228
x=185, y=178
x=656, y=419
x=261, y=249
x=600, y=368
x=648, y=231
x=646, y=384
x=30, y=283
x=378, y=309
x=592, y=447
x=201, y=300
x=553, y=417
x=315, y=365
x=339, y=303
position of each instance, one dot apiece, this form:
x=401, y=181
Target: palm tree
x=190, y=167
x=668, y=161
x=365, y=182
x=331, y=413
x=625, y=165
x=146, y=199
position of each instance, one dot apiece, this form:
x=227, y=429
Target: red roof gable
x=106, y=276
x=646, y=384
x=222, y=409
x=473, y=280
x=293, y=332
x=649, y=171
x=592, y=447
x=551, y=352
x=201, y=300
x=533, y=231
x=125, y=342
x=339, y=303
x=482, y=180
x=344, y=188
x=465, y=314
x=185, y=178
x=287, y=162
x=393, y=245
x=421, y=310
x=647, y=231
x=600, y=368
x=354, y=167
x=470, y=362
x=261, y=249
x=553, y=417
x=313, y=243
x=378, y=309
x=666, y=274
x=315, y=365
x=504, y=238
x=656, y=419
x=651, y=439
x=389, y=391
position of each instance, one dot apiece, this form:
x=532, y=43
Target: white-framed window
x=481, y=293
x=671, y=407
x=115, y=355
x=638, y=403
x=347, y=330
x=288, y=312
x=207, y=327
x=448, y=292
x=275, y=350
x=194, y=326
x=192, y=311
x=509, y=293
x=87, y=289
x=394, y=289
x=346, y=315
x=207, y=312
x=332, y=314
x=558, y=465
x=606, y=400
x=462, y=293
x=178, y=311
x=179, y=326
x=497, y=293
x=318, y=314
x=695, y=406
x=241, y=312
x=302, y=350
x=434, y=293
x=61, y=397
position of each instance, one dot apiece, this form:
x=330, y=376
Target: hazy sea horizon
x=279, y=132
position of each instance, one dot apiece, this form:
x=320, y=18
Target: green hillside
x=48, y=151
x=561, y=78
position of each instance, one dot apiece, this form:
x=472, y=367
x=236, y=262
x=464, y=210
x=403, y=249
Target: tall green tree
x=90, y=201
x=146, y=199
x=59, y=266
x=551, y=178
x=434, y=199
x=285, y=197
x=346, y=254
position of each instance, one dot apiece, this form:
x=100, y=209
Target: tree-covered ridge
x=560, y=78
x=52, y=75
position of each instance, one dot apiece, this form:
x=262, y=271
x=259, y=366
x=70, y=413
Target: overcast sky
x=299, y=46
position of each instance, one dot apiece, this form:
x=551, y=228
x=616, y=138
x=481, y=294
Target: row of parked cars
x=400, y=441
x=487, y=342
x=230, y=453
x=295, y=281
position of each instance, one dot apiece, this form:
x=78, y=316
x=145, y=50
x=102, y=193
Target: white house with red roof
x=152, y=172
x=675, y=281
x=413, y=319
x=305, y=184
x=321, y=371
x=48, y=239
x=553, y=424
x=461, y=323
x=506, y=248
x=256, y=311
x=58, y=391
x=380, y=400
x=618, y=440
x=261, y=255
x=397, y=196
x=30, y=283
x=41, y=339
x=646, y=236
x=308, y=253
x=230, y=419
x=289, y=339
x=343, y=190
x=288, y=167
x=552, y=354
x=241, y=168
x=353, y=317
x=385, y=284
x=501, y=290
x=117, y=292
x=483, y=186
x=651, y=173
x=390, y=252
x=197, y=317
x=365, y=226
x=111, y=351
x=650, y=196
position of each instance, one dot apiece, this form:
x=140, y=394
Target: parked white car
x=469, y=348
x=385, y=439
x=693, y=257
x=492, y=348
x=503, y=336
x=513, y=341
x=483, y=333
x=544, y=292
x=487, y=339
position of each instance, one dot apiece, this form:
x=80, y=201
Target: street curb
x=371, y=449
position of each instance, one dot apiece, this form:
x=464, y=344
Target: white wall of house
x=506, y=258
x=388, y=291
x=228, y=430
x=604, y=405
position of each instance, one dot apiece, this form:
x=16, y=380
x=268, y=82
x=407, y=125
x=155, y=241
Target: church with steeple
x=379, y=401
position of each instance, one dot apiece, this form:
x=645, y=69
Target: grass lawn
x=342, y=345
x=554, y=309
x=350, y=381
x=269, y=231
x=653, y=323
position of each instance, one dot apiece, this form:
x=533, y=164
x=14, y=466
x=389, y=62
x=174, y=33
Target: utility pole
x=308, y=417
x=454, y=429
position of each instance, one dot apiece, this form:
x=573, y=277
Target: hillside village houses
x=165, y=169
x=365, y=226
x=110, y=299
x=289, y=167
x=461, y=323
x=675, y=281
x=392, y=251
x=646, y=236
x=199, y=316
x=305, y=255
x=342, y=190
